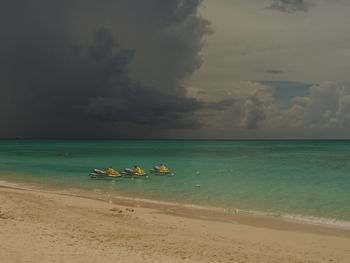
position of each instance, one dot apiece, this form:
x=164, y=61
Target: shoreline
x=40, y=226
x=251, y=218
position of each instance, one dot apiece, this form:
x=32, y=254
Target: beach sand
x=47, y=227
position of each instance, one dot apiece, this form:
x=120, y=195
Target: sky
x=180, y=69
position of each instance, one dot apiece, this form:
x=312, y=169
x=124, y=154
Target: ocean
x=306, y=180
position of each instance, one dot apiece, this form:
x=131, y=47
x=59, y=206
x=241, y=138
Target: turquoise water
x=306, y=178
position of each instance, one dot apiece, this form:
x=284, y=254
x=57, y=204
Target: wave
x=312, y=220
x=19, y=186
x=294, y=218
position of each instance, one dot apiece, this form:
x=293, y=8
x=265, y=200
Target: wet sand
x=49, y=227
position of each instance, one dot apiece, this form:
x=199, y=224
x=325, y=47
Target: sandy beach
x=48, y=227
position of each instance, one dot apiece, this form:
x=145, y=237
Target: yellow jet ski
x=140, y=172
x=112, y=172
x=161, y=170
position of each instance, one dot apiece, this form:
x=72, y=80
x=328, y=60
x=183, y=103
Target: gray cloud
x=290, y=5
x=81, y=68
x=254, y=112
x=245, y=104
x=220, y=105
x=342, y=116
x=274, y=71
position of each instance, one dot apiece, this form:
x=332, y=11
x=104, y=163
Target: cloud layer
x=255, y=111
x=91, y=68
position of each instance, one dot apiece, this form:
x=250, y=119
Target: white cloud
x=255, y=113
x=323, y=103
x=327, y=106
x=342, y=117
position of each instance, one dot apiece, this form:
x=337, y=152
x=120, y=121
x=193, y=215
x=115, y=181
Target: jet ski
x=110, y=173
x=155, y=169
x=160, y=170
x=137, y=171
x=128, y=171
x=98, y=171
x=140, y=172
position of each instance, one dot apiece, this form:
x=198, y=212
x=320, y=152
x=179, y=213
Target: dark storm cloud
x=65, y=65
x=290, y=5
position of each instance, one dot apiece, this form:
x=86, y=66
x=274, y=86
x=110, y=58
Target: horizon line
x=173, y=139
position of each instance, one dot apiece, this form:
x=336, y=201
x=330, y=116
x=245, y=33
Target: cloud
x=342, y=116
x=87, y=69
x=274, y=71
x=254, y=108
x=256, y=104
x=244, y=105
x=253, y=113
x=290, y=6
x=323, y=101
x=326, y=107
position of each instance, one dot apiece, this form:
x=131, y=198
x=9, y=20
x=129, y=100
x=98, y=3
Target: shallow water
x=302, y=178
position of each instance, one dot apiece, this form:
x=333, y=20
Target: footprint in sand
x=116, y=210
